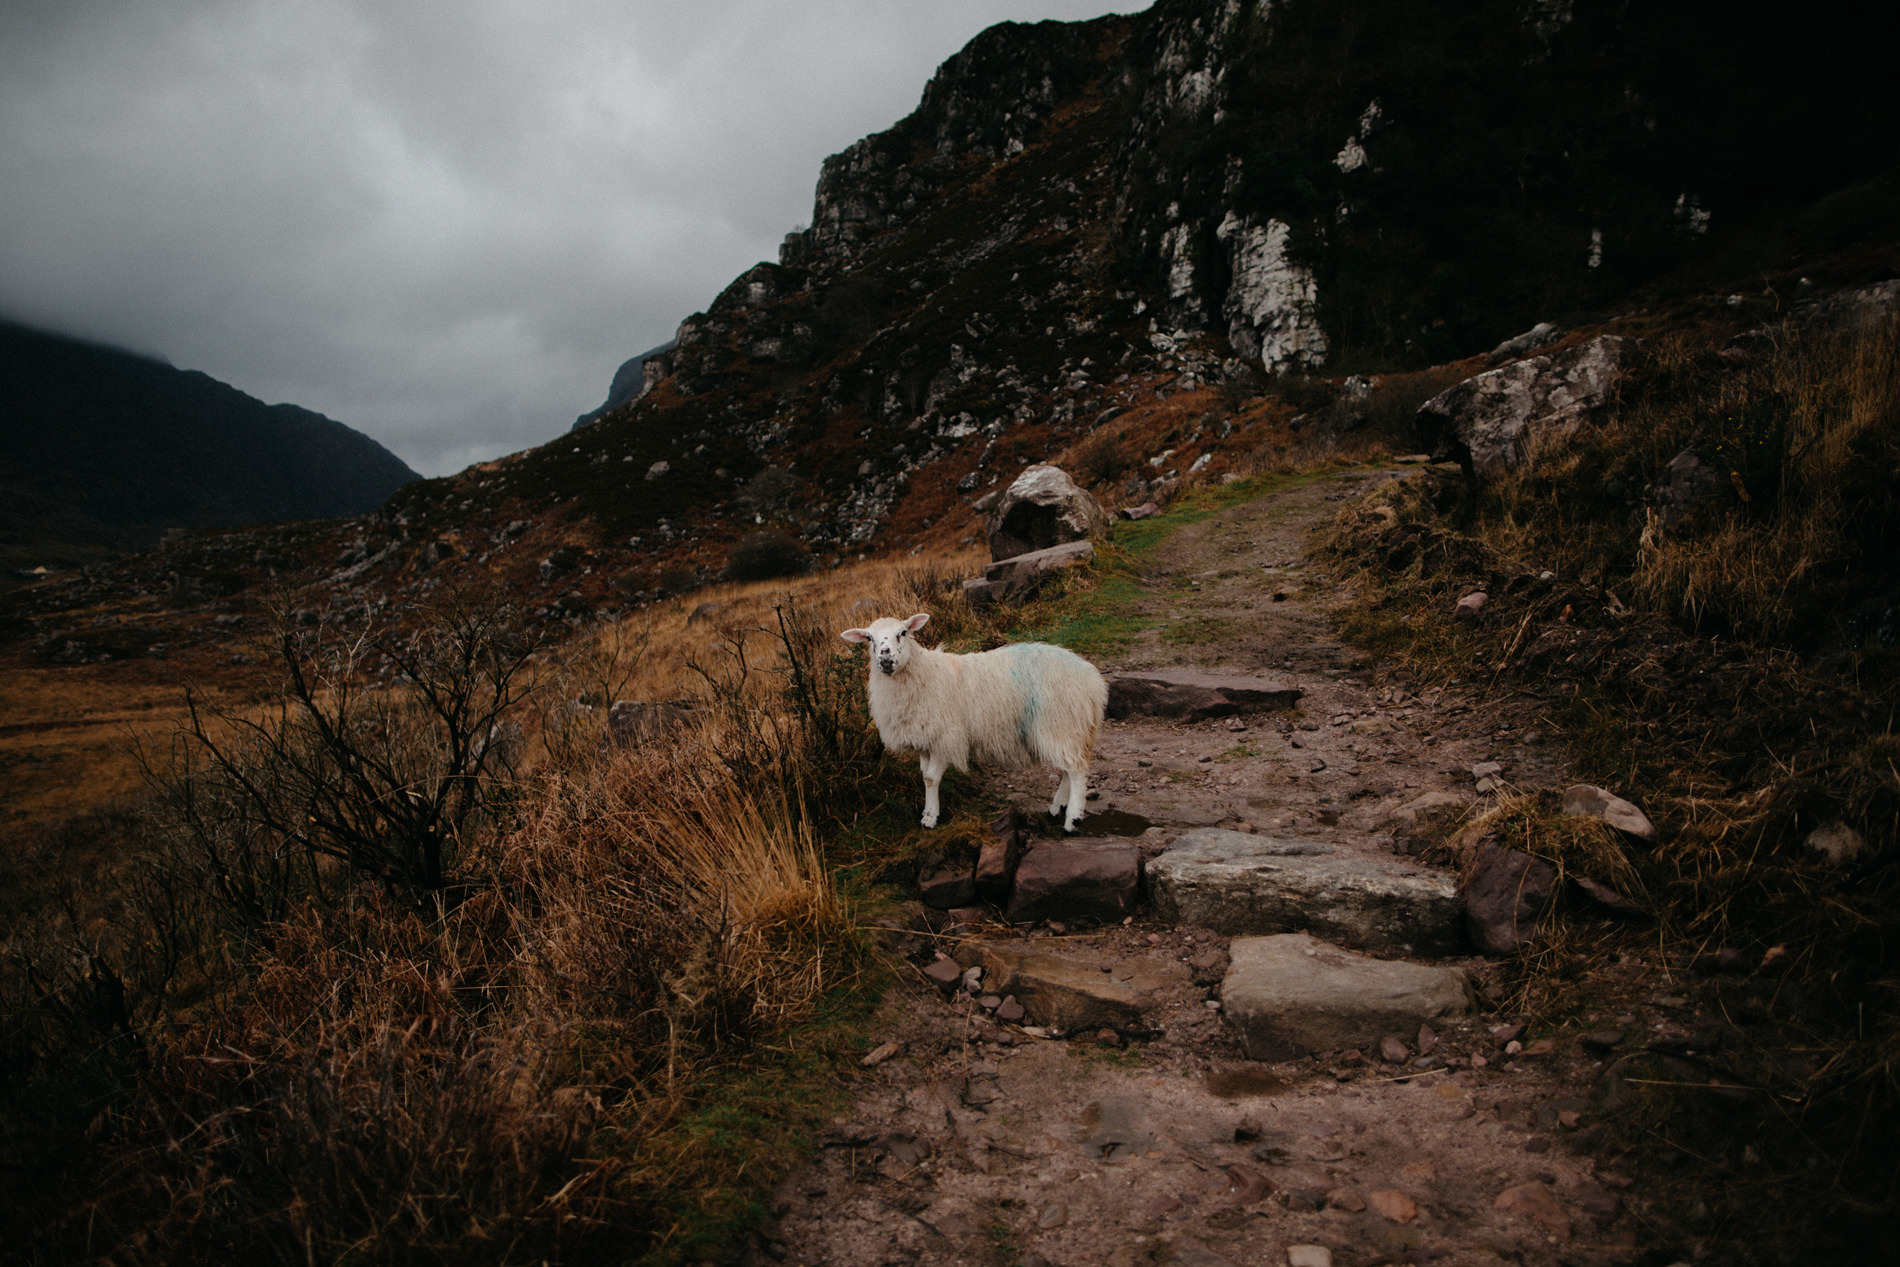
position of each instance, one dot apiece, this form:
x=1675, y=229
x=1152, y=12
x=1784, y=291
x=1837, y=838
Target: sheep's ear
x=856, y=635
x=917, y=622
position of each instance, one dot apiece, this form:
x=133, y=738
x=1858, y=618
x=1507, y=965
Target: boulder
x=1292, y=995
x=1189, y=696
x=1043, y=508
x=1075, y=880
x=1505, y=893
x=1237, y=883
x=1502, y=418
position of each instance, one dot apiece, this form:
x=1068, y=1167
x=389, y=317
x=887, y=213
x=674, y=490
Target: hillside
x=102, y=449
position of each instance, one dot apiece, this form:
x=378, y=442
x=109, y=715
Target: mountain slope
x=100, y=448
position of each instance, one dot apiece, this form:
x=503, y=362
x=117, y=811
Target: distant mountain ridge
x=103, y=449
x=629, y=383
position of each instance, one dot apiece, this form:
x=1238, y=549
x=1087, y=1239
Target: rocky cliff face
x=1303, y=187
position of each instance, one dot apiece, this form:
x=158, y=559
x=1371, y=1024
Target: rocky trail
x=1277, y=1047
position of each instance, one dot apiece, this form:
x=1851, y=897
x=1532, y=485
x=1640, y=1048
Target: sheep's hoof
x=929, y=821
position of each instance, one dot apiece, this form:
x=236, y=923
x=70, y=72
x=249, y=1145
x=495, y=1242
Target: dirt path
x=980, y=1142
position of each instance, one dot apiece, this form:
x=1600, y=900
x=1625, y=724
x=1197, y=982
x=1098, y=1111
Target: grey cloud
x=442, y=223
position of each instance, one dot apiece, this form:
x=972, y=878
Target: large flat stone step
x=1190, y=696
x=1291, y=995
x=1241, y=884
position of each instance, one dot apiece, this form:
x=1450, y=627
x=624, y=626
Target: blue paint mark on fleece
x=1026, y=724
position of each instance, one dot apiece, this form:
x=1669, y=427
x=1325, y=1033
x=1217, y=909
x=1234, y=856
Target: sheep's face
x=889, y=640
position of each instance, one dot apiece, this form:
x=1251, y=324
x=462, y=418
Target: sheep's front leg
x=933, y=767
x=1076, y=784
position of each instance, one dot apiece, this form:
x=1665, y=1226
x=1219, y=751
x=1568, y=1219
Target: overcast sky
x=443, y=222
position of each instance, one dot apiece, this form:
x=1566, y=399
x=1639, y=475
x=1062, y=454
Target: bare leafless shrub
x=337, y=777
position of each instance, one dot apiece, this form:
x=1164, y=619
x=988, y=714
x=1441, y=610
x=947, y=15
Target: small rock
x=1308, y=1256
x=1597, y=1202
x=1505, y=1034
x=1393, y=1051
x=1392, y=1205
x=1009, y=1009
x=1469, y=606
x=1537, y=1203
x=1158, y=1206
x=1837, y=842
x=1054, y=1214
x=945, y=973
x=879, y=1054
x=1249, y=1184
x=1427, y=1039
x=1347, y=1199
x=1600, y=1041
x=1587, y=800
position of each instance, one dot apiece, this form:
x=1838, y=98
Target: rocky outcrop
x=1502, y=418
x=1272, y=302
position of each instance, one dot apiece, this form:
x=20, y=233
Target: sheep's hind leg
x=933, y=768
x=1059, y=802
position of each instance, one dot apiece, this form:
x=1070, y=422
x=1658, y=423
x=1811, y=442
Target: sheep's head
x=889, y=639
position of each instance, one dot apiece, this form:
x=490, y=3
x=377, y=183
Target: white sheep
x=1017, y=705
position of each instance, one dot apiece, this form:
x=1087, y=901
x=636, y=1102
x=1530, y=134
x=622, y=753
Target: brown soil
x=979, y=1142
